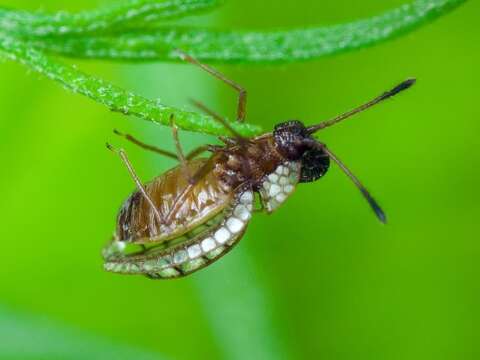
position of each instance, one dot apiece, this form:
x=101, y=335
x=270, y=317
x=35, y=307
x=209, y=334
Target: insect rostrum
x=195, y=213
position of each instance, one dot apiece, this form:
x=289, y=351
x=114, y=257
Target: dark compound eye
x=315, y=163
x=288, y=137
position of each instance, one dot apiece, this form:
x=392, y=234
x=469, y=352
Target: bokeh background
x=320, y=278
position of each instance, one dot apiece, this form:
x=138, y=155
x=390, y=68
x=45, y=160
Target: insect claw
x=171, y=119
x=227, y=141
x=181, y=54
x=111, y=148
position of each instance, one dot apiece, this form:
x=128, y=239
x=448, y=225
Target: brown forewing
x=228, y=168
x=136, y=222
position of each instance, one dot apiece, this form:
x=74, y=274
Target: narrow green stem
x=114, y=97
x=216, y=46
x=117, y=17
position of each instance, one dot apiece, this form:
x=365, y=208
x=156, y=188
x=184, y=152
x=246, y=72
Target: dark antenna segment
x=371, y=201
x=388, y=94
x=366, y=194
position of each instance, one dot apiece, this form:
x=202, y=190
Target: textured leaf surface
x=117, y=17
x=114, y=97
x=252, y=46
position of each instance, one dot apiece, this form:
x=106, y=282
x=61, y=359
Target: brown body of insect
x=194, y=213
x=183, y=204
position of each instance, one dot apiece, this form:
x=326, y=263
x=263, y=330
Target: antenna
x=371, y=201
x=388, y=94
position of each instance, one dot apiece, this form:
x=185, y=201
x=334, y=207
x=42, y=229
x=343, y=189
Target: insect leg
x=219, y=118
x=195, y=152
x=146, y=146
x=180, y=155
x=123, y=156
x=192, y=154
x=242, y=93
x=262, y=207
x=207, y=110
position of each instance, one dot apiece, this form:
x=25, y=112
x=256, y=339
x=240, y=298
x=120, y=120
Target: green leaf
x=114, y=97
x=129, y=31
x=117, y=17
x=251, y=46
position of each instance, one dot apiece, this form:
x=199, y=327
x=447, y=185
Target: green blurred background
x=320, y=278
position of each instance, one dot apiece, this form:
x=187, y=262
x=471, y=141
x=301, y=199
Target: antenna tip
x=409, y=82
x=400, y=87
x=378, y=211
x=381, y=216
x=375, y=207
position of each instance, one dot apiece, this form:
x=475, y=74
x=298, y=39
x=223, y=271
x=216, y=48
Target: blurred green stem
x=30, y=337
x=117, y=17
x=258, y=47
x=240, y=309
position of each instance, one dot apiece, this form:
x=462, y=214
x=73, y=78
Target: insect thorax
x=260, y=165
x=248, y=163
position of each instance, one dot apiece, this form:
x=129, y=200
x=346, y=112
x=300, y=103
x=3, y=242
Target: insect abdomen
x=137, y=223
x=191, y=255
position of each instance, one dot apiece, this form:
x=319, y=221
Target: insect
x=193, y=214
